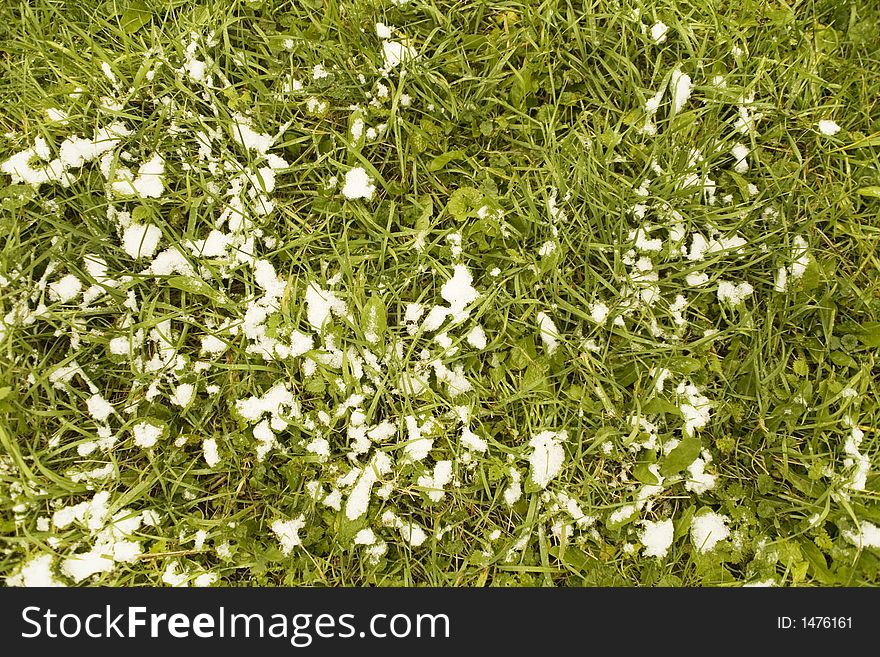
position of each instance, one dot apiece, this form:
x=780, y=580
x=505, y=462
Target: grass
x=521, y=128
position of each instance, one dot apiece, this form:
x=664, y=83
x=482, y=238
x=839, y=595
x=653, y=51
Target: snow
x=141, y=240
x=599, y=312
x=56, y=115
x=287, y=532
x=365, y=537
x=359, y=498
x=740, y=152
x=383, y=431
x=828, y=127
x=547, y=456
x=75, y=151
x=84, y=565
x=320, y=303
x=170, y=261
x=358, y=184
x=549, y=333
x=395, y=53
x=148, y=182
x=695, y=408
x=214, y=245
x=211, y=344
x=411, y=532
x=357, y=129
x=99, y=408
x=91, y=513
x=656, y=537
x=274, y=402
x=658, y=32
x=65, y=290
x=437, y=481
x=265, y=439
x=436, y=316
x=709, y=529
x=319, y=447
x=477, y=337
x=383, y=31
x=623, y=514
x=210, y=452
x=867, y=536
x=417, y=447
x=681, y=89
x=472, y=441
x=38, y=571
x=734, y=293
x=644, y=243
x=205, y=579
x=696, y=279
x=268, y=280
x=244, y=133
x=513, y=492
x=855, y=460
x=183, y=395
x=699, y=481
x=459, y=292
x=146, y=434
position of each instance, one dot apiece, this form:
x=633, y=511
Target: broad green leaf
x=870, y=334
x=16, y=196
x=535, y=377
x=442, y=160
x=135, y=16
x=522, y=354
x=464, y=202
x=812, y=276
x=843, y=359
x=644, y=475
x=682, y=523
x=873, y=191
x=141, y=212
x=573, y=557
x=195, y=286
x=658, y=405
x=521, y=86
x=682, y=456
x=685, y=365
x=818, y=565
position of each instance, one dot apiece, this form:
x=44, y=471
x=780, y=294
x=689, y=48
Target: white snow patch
x=656, y=537
x=868, y=535
x=146, y=434
x=708, y=529
x=287, y=532
x=141, y=240
x=549, y=332
x=828, y=127
x=395, y=53
x=65, y=290
x=358, y=184
x=210, y=452
x=658, y=32
x=477, y=337
x=547, y=456
x=681, y=89
x=734, y=293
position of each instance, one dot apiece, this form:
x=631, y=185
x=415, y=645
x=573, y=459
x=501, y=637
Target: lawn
x=490, y=293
